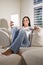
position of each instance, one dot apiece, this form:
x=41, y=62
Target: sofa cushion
x=37, y=38
x=13, y=59
x=4, y=23
x=33, y=56
x=4, y=39
x=23, y=49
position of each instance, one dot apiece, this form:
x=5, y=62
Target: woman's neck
x=26, y=26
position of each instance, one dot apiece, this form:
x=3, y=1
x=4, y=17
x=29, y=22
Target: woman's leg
x=26, y=42
x=14, y=32
x=17, y=42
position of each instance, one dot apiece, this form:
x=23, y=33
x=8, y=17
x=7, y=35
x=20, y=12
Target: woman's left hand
x=36, y=28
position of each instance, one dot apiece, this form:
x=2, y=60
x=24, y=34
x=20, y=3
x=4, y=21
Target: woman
x=28, y=29
x=20, y=38
x=26, y=26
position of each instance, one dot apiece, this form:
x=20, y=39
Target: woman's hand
x=11, y=23
x=36, y=28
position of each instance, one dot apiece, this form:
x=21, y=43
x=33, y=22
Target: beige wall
x=9, y=7
x=27, y=9
x=21, y=7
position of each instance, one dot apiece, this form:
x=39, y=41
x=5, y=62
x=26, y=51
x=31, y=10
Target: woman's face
x=26, y=22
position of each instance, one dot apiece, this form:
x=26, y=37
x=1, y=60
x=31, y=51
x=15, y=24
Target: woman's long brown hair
x=28, y=20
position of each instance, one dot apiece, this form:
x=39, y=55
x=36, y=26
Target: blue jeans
x=19, y=40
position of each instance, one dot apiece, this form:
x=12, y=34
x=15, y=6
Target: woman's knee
x=22, y=31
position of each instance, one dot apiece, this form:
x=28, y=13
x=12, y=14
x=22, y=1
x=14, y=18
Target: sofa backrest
x=37, y=38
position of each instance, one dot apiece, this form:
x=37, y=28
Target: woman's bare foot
x=7, y=52
x=19, y=53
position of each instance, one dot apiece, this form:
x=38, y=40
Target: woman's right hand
x=11, y=23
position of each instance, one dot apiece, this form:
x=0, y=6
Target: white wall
x=9, y=7
x=27, y=9
x=20, y=7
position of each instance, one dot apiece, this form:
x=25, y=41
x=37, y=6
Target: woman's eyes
x=25, y=20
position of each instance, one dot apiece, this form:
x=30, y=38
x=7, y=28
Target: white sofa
x=30, y=56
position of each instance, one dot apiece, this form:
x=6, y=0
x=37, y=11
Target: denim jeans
x=19, y=40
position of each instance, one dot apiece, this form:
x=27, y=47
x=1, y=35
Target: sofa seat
x=33, y=56
x=12, y=59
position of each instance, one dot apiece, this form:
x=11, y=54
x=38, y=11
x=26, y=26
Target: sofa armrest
x=8, y=32
x=4, y=39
